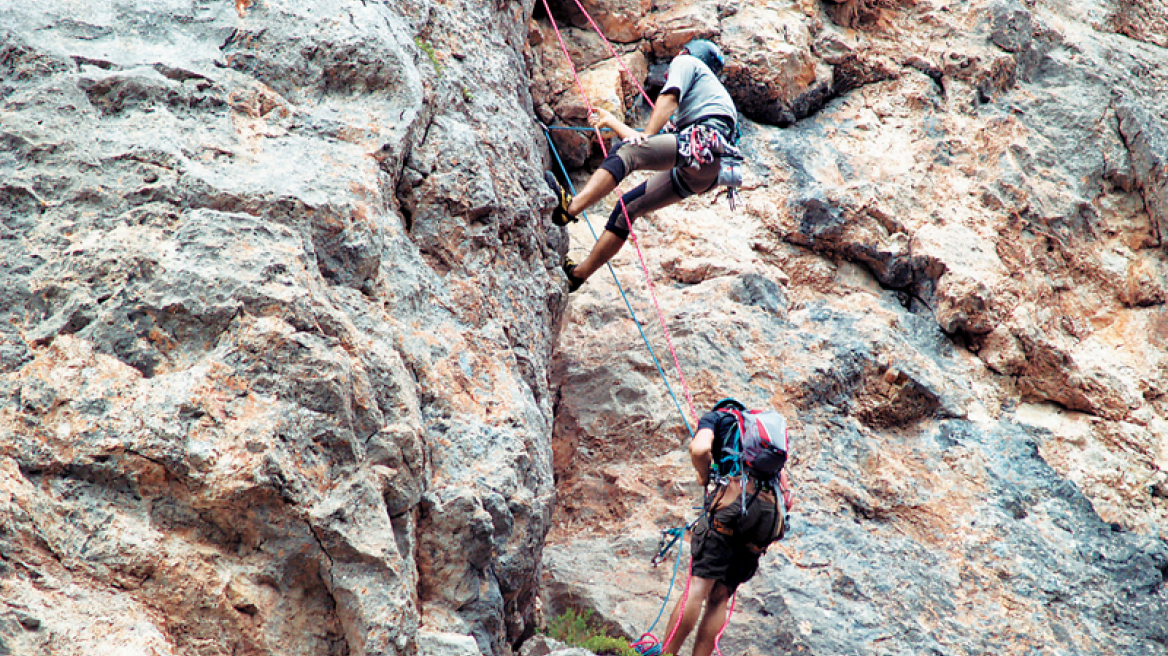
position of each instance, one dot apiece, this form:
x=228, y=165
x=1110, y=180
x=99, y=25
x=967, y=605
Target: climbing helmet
x=708, y=53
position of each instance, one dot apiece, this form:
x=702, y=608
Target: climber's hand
x=601, y=118
x=640, y=138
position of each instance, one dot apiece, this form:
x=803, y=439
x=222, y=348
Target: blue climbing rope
x=624, y=296
x=647, y=645
x=676, y=533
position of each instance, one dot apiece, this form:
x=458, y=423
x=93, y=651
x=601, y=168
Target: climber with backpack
x=743, y=453
x=694, y=159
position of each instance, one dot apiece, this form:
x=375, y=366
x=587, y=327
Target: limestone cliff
x=287, y=365
x=277, y=324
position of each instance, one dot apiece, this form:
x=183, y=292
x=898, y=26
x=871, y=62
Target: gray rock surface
x=287, y=365
x=276, y=295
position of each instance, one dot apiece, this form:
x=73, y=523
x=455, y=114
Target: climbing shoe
x=573, y=282
x=560, y=214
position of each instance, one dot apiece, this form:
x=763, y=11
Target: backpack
x=760, y=444
x=759, y=450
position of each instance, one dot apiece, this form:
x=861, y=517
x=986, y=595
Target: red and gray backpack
x=759, y=447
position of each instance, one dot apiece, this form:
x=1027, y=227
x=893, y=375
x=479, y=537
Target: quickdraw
x=700, y=144
x=663, y=547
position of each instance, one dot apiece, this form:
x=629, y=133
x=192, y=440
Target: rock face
x=949, y=274
x=275, y=329
x=287, y=364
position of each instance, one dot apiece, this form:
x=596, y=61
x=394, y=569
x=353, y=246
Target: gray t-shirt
x=699, y=93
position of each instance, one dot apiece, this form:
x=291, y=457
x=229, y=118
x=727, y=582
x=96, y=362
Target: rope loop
x=648, y=645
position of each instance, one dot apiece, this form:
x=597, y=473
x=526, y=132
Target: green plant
x=467, y=95
x=429, y=50
x=606, y=646
x=579, y=629
x=571, y=628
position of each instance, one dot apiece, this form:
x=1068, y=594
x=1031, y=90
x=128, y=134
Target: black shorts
x=729, y=549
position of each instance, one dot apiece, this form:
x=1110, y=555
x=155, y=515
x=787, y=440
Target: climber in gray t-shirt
x=706, y=121
x=700, y=94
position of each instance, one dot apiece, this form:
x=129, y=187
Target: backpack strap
x=732, y=449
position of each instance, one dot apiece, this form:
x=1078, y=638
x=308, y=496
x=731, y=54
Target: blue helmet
x=707, y=52
x=730, y=403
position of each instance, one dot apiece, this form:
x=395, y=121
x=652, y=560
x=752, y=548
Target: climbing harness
x=700, y=144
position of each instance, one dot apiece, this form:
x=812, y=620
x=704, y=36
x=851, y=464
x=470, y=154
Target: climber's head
x=707, y=52
x=730, y=403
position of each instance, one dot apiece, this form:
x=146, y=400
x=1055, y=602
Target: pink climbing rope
x=684, y=596
x=681, y=615
x=725, y=624
x=624, y=209
x=612, y=50
x=571, y=66
x=661, y=317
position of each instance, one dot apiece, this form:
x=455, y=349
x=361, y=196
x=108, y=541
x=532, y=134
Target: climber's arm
x=701, y=454
x=666, y=105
